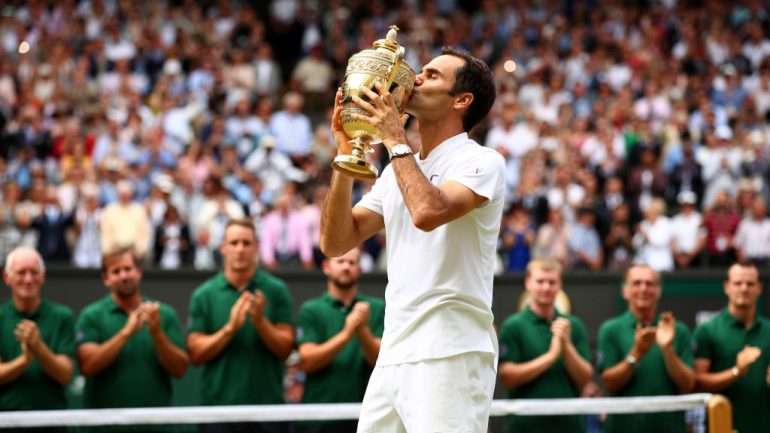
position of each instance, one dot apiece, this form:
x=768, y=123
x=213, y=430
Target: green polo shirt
x=616, y=337
x=246, y=371
x=525, y=336
x=137, y=362
x=34, y=389
x=719, y=340
x=345, y=379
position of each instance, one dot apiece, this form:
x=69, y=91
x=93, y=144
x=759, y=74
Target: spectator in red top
x=721, y=222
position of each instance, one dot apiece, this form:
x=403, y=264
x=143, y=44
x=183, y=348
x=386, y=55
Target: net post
x=720, y=414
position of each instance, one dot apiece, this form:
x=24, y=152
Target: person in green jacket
x=125, y=339
x=642, y=353
x=241, y=331
x=338, y=336
x=732, y=351
x=37, y=340
x=544, y=352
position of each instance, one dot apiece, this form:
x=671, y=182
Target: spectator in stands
x=618, y=244
x=752, y=238
x=216, y=208
x=544, y=352
x=88, y=251
x=292, y=129
x=653, y=238
x=52, y=225
x=125, y=223
x=284, y=236
x=38, y=339
x=553, y=238
x=241, y=331
x=129, y=345
x=518, y=235
x=173, y=245
x=273, y=168
x=643, y=353
x=732, y=351
x=721, y=221
x=584, y=245
x=688, y=236
x=339, y=340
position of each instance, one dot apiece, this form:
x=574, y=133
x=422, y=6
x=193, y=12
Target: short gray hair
x=20, y=251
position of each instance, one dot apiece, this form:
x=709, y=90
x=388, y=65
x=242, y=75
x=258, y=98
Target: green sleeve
x=66, y=341
x=610, y=352
x=580, y=338
x=281, y=306
x=87, y=328
x=171, y=326
x=704, y=345
x=308, y=329
x=509, y=343
x=198, y=320
x=683, y=343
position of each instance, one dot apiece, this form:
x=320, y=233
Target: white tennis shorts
x=448, y=395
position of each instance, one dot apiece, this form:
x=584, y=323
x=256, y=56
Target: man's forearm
x=171, y=357
x=423, y=200
x=95, y=357
x=715, y=382
x=517, y=374
x=204, y=347
x=279, y=338
x=57, y=366
x=680, y=373
x=579, y=370
x=337, y=225
x=12, y=369
x=370, y=345
x=317, y=356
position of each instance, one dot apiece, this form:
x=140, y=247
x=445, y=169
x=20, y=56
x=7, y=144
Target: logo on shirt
x=432, y=176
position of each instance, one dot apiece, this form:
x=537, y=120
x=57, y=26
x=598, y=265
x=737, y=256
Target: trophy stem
x=356, y=164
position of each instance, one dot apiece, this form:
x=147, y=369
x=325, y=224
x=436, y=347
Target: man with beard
x=129, y=346
x=241, y=331
x=37, y=340
x=732, y=354
x=339, y=339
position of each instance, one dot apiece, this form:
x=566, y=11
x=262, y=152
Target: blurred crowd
x=633, y=132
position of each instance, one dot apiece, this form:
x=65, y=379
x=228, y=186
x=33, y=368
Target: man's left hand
x=383, y=114
x=666, y=330
x=257, y=307
x=151, y=312
x=28, y=333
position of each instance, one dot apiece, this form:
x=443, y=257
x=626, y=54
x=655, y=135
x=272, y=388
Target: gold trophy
x=384, y=63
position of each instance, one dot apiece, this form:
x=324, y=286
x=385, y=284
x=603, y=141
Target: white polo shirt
x=438, y=302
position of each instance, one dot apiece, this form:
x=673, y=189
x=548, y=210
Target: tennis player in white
x=441, y=207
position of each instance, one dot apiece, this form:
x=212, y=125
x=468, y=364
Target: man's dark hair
x=474, y=77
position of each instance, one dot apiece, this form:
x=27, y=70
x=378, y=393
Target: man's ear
x=463, y=101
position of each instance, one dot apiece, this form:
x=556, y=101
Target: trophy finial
x=392, y=33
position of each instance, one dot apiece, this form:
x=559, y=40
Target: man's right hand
x=136, y=319
x=340, y=137
x=353, y=321
x=239, y=311
x=643, y=340
x=746, y=357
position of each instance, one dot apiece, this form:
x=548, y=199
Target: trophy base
x=354, y=166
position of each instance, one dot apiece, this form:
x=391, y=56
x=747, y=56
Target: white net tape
x=315, y=412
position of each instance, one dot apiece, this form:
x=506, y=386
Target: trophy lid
x=390, y=42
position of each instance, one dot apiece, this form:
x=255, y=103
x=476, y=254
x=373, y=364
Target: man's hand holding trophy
x=368, y=109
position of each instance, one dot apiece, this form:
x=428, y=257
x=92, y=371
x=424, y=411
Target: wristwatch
x=735, y=371
x=400, y=150
x=631, y=359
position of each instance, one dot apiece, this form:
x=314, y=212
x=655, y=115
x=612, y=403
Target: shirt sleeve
x=373, y=199
x=307, y=327
x=509, y=344
x=198, y=320
x=86, y=329
x=377, y=318
x=483, y=173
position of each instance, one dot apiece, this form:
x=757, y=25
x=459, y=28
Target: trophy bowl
x=383, y=63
